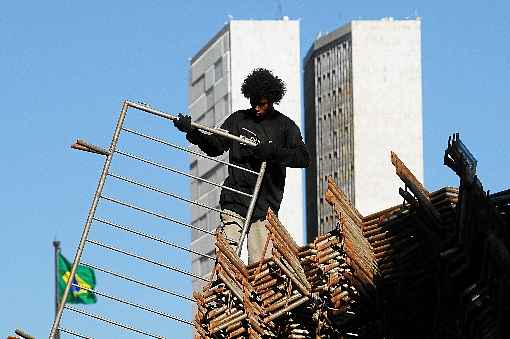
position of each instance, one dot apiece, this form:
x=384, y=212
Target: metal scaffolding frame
x=99, y=195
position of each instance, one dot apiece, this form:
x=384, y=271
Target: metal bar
x=152, y=188
x=187, y=150
x=408, y=177
x=23, y=334
x=145, y=308
x=216, y=131
x=91, y=213
x=155, y=214
x=285, y=310
x=97, y=243
x=148, y=236
x=180, y=172
x=76, y=334
x=82, y=148
x=470, y=158
x=56, y=248
x=420, y=193
x=258, y=183
x=111, y=322
x=137, y=281
x=91, y=147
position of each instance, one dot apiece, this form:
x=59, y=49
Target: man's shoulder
x=282, y=118
x=234, y=117
x=239, y=114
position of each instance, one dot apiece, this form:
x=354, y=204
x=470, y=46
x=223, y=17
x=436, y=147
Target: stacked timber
x=295, y=292
x=436, y=266
x=281, y=284
x=225, y=307
x=294, y=289
x=393, y=236
x=342, y=269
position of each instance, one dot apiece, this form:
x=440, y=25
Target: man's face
x=261, y=107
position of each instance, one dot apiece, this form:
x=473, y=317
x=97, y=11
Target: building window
x=197, y=88
x=227, y=106
x=209, y=115
x=199, y=84
x=206, y=266
x=200, y=224
x=218, y=69
x=209, y=98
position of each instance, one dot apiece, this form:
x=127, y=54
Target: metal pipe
x=111, y=322
x=285, y=310
x=214, y=290
x=81, y=148
x=91, y=213
x=258, y=184
x=227, y=324
x=111, y=248
x=215, y=312
x=224, y=318
x=228, y=270
x=137, y=281
x=152, y=188
x=216, y=131
x=23, y=334
x=283, y=302
x=93, y=148
x=148, y=236
x=56, y=248
x=180, y=172
x=234, y=289
x=237, y=332
x=200, y=330
x=142, y=307
x=293, y=277
x=266, y=285
x=187, y=150
x=272, y=299
x=65, y=330
x=226, y=250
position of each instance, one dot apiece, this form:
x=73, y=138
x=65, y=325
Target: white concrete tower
x=363, y=99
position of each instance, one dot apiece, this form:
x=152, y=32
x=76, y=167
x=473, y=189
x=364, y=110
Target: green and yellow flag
x=84, y=278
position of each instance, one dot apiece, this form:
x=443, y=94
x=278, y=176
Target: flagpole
x=56, y=247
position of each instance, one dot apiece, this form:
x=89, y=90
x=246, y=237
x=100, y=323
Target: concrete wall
x=384, y=113
x=386, y=57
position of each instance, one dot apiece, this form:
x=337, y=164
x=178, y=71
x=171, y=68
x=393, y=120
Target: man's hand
x=183, y=123
x=265, y=151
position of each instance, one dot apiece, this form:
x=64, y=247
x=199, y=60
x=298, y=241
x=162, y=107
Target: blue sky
x=66, y=66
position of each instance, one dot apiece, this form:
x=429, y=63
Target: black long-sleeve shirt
x=291, y=152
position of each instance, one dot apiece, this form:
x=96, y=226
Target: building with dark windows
x=362, y=99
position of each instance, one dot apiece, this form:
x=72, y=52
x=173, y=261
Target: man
x=279, y=144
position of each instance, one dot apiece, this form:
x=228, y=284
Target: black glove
x=265, y=151
x=183, y=123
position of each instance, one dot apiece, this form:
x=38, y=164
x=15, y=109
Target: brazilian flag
x=84, y=277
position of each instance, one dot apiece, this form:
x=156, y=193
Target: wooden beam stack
x=438, y=265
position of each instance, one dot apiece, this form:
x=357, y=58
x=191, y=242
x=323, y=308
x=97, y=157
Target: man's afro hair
x=262, y=83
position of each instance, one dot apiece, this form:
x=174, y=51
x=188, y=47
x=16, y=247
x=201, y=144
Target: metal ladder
x=107, y=235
